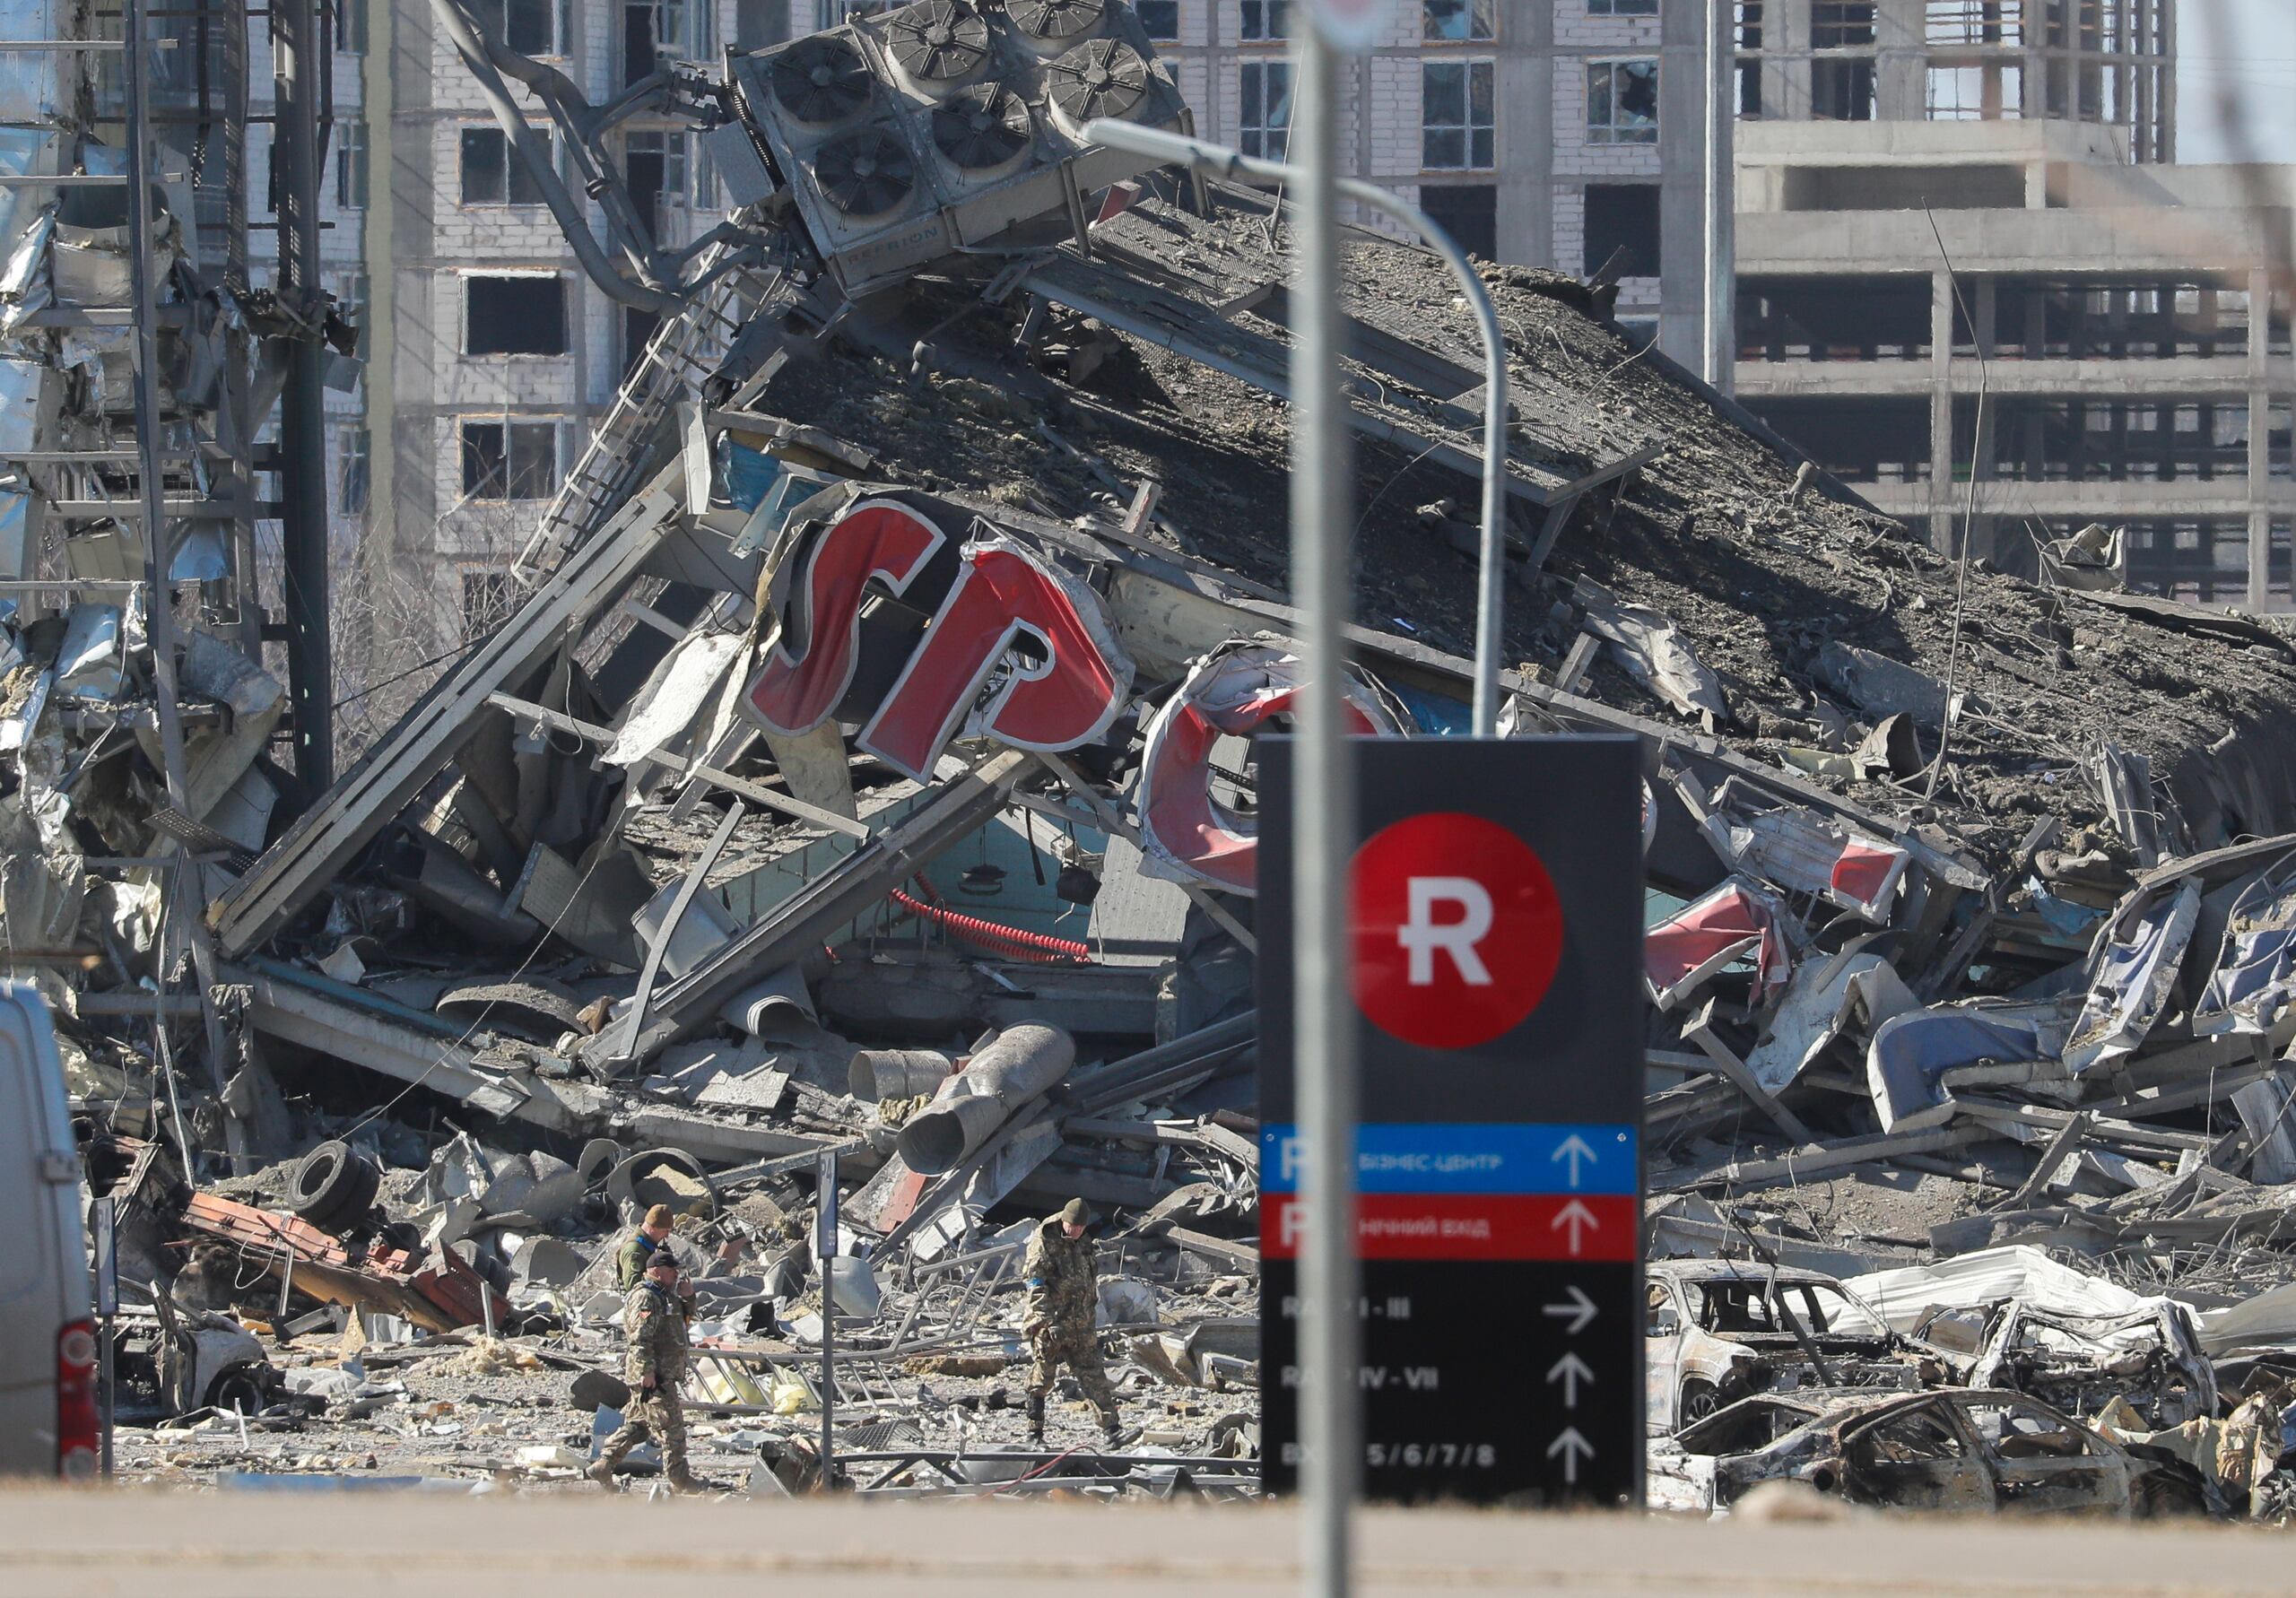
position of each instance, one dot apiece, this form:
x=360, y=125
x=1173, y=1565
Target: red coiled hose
x=1014, y=941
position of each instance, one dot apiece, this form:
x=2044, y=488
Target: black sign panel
x=1495, y=921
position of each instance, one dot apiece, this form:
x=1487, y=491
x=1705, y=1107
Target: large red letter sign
x=876, y=538
x=1066, y=697
x=1188, y=832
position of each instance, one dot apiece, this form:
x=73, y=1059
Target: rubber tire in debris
x=1699, y=1399
x=331, y=1183
x=239, y=1388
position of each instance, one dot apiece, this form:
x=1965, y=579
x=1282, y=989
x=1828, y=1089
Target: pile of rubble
x=863, y=783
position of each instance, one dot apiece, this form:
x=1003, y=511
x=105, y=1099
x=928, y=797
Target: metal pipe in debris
x=1016, y=1065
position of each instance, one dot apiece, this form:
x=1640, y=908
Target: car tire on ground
x=332, y=1184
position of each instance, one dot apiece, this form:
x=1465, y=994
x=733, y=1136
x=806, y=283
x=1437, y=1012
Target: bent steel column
x=296, y=65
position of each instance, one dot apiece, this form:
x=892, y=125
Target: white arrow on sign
x=1579, y=1218
x=1573, y=1448
x=1570, y=1370
x=1580, y=1310
x=1575, y=1150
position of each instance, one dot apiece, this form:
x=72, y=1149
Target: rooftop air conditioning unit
x=928, y=130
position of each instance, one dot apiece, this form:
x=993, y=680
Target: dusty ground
x=350, y=1546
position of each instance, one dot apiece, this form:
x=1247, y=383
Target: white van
x=49, y=1425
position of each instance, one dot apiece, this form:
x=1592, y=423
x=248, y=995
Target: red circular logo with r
x=1456, y=929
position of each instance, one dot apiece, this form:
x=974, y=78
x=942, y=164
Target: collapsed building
x=863, y=783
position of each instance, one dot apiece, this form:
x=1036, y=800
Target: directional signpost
x=1495, y=898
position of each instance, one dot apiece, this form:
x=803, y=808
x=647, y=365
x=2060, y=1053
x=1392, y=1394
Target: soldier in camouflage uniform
x=1063, y=1300
x=653, y=1319
x=639, y=1247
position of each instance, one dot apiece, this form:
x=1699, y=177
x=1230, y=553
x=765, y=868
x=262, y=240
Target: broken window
x=2202, y=560
x=351, y=166
x=1459, y=127
x=510, y=460
x=759, y=24
x=1739, y=1306
x=1622, y=221
x=1264, y=128
x=352, y=293
x=487, y=598
x=654, y=166
x=1841, y=24
x=1455, y=20
x=1976, y=22
x=1622, y=102
x=1160, y=19
x=1825, y=1311
x=1749, y=45
x=1991, y=92
x=350, y=486
x=529, y=27
x=640, y=43
x=1265, y=19
x=1912, y=1439
x=639, y=326
x=1467, y=212
x=1842, y=91
x=492, y=172
x=505, y=314
x=2027, y=1432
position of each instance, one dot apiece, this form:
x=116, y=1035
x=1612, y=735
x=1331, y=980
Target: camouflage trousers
x=1080, y=1350
x=659, y=1414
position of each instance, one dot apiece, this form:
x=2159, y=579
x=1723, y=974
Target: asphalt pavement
x=177, y=1544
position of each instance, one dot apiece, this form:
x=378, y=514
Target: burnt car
x=2080, y=1363
x=1721, y=1330
x=1971, y=1452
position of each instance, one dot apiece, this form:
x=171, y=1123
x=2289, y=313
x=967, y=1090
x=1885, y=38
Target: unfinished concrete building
x=2105, y=63
x=1961, y=240
x=2109, y=348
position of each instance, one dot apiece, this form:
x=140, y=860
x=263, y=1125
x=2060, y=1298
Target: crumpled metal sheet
x=25, y=285
x=38, y=86
x=1821, y=1003
x=1186, y=833
x=2020, y=1270
x=2250, y=987
x=1653, y=651
x=43, y=881
x=1736, y=920
x=20, y=384
x=2133, y=972
x=1804, y=851
x=681, y=691
x=89, y=662
x=1907, y=1061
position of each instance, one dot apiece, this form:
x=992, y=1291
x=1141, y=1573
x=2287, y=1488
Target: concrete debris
x=863, y=780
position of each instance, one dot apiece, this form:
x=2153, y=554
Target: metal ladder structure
x=685, y=351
